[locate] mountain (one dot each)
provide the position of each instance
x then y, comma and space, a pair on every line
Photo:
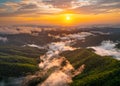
99, 70
16, 62
59, 56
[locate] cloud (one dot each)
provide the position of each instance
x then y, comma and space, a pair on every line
19, 29
3, 1
78, 36
39, 7
73, 37
11, 81
107, 48
27, 8
60, 46
101, 33
54, 49
59, 3
58, 78
51, 58
62, 70
98, 7
107, 1
63, 73
4, 39
33, 45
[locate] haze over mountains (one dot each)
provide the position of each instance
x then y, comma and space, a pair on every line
35, 34
59, 43
39, 53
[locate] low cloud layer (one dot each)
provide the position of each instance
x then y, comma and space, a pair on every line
63, 74
35, 46
18, 29
11, 81
3, 39
107, 48
51, 59
75, 36
58, 78
101, 33
62, 70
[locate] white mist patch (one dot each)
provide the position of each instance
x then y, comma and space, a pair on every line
58, 78
101, 33
11, 81
57, 47
75, 36
62, 75
48, 63
62, 69
4, 39
54, 36
107, 48
51, 58
19, 29
34, 45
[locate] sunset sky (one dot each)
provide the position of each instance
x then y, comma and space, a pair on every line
59, 12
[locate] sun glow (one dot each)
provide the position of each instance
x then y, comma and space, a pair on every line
68, 18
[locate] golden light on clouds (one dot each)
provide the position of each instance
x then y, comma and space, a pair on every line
56, 12
64, 19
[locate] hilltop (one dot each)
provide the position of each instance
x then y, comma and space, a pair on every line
99, 70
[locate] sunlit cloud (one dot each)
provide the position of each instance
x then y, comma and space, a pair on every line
95, 6
19, 30
107, 48
56, 6
53, 8
28, 7
59, 3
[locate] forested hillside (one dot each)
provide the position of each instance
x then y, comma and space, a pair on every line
99, 71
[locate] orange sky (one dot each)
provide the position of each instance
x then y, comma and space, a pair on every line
60, 19
79, 11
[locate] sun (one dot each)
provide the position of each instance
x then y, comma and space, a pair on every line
68, 18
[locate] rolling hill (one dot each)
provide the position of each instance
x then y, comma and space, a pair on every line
99, 71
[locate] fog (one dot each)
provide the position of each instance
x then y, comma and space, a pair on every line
18, 29
62, 69
63, 75
11, 81
75, 36
54, 69
35, 46
3, 39
107, 48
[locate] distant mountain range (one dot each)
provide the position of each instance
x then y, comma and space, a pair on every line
83, 56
